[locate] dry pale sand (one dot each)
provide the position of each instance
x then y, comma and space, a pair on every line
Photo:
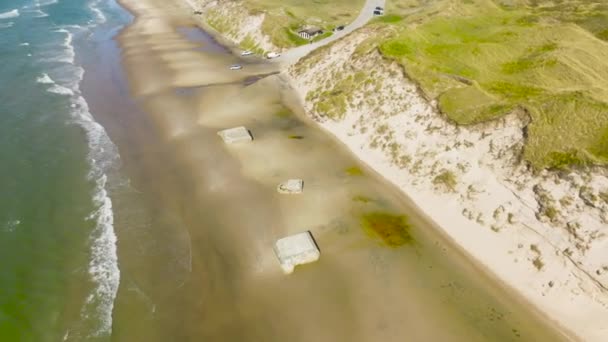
216, 214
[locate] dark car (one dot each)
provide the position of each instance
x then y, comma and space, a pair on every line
378, 8
339, 28
377, 12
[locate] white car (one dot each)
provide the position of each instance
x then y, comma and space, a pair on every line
272, 55
236, 67
246, 53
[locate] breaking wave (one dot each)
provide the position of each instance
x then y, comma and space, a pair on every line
46, 2
10, 14
45, 79
63, 78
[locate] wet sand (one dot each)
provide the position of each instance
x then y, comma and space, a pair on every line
200, 265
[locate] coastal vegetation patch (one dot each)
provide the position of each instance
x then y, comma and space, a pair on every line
361, 199
228, 25
393, 229
354, 171
283, 18
481, 59
283, 113
333, 101
446, 179
248, 43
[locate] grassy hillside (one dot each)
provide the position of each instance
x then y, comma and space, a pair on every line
483, 58
284, 17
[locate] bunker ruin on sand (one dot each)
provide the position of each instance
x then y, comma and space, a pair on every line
235, 135
291, 186
297, 249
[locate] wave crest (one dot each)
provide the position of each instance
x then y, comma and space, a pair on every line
10, 14
45, 79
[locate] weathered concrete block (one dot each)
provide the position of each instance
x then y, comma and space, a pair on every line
291, 186
236, 134
296, 250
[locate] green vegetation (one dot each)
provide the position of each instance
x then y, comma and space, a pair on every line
248, 43
296, 137
538, 263
362, 199
534, 248
294, 38
392, 229
551, 213
226, 25
219, 23
391, 18
446, 179
322, 36
483, 58
333, 103
283, 113
354, 171
282, 18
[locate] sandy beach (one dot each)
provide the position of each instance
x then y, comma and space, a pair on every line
204, 268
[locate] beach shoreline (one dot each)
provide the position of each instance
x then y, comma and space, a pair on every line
142, 86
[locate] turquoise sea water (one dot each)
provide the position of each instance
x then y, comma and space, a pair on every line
59, 270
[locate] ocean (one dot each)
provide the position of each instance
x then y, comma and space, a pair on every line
59, 267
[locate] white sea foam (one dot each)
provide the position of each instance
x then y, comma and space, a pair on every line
6, 25
58, 89
45, 79
11, 226
46, 2
24, 44
103, 159
93, 6
35, 9
38, 13
103, 265
69, 54
10, 14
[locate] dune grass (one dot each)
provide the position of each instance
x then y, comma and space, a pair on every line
248, 43
483, 58
447, 179
284, 17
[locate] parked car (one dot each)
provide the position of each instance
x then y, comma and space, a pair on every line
236, 67
378, 8
377, 12
272, 55
246, 53
339, 28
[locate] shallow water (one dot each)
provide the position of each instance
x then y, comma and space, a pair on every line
202, 266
